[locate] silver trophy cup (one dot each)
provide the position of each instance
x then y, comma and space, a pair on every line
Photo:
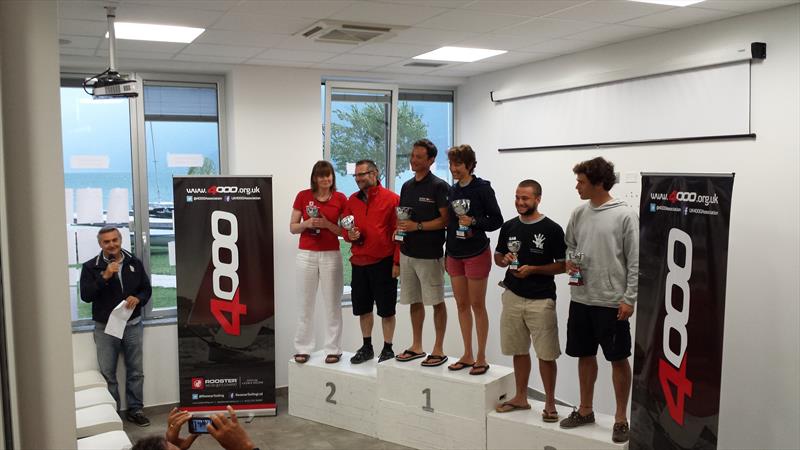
576, 277
461, 207
313, 212
513, 247
349, 223
403, 213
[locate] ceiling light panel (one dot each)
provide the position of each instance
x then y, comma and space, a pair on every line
459, 54
152, 32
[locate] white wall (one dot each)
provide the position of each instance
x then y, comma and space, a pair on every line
761, 365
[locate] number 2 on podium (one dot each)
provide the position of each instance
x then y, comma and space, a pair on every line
329, 398
427, 407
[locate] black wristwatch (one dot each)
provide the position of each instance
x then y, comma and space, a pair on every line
419, 226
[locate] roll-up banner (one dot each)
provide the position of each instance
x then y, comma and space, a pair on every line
224, 269
683, 259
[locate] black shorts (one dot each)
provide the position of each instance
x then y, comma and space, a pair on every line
374, 284
589, 326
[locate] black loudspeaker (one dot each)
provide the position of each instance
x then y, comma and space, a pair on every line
758, 50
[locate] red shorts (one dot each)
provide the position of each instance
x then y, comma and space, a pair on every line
474, 267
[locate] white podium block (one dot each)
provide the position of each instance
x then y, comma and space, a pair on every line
88, 379
433, 407
94, 396
526, 430
342, 395
96, 420
113, 440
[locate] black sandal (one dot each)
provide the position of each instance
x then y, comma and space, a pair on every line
301, 358
333, 359
434, 360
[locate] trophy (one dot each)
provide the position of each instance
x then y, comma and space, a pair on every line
461, 206
313, 212
349, 223
513, 246
403, 213
575, 277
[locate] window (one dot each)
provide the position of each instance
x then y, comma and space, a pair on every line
181, 126
119, 159
98, 179
381, 122
424, 114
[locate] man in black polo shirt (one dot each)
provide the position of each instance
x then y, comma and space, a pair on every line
529, 308
421, 253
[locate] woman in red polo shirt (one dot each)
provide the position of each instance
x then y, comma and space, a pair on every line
315, 217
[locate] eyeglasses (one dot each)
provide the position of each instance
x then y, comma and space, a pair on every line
362, 174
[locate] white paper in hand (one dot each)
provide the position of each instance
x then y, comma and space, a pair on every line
118, 319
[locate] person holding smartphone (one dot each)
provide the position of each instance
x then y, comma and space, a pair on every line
225, 430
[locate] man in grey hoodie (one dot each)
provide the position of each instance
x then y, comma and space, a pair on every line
606, 231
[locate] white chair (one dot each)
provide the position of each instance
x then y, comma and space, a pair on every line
89, 379
96, 420
113, 440
93, 397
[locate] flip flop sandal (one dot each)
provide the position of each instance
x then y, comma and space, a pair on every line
434, 360
479, 370
408, 355
301, 358
508, 407
550, 417
333, 359
459, 365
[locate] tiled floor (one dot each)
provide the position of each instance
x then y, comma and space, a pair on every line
280, 432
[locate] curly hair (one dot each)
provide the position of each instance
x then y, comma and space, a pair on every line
597, 171
463, 154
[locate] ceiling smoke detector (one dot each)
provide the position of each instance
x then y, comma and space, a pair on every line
336, 32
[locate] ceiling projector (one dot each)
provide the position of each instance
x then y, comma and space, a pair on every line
110, 84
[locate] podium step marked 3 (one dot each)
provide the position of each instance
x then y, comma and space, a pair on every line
525, 430
342, 395
433, 407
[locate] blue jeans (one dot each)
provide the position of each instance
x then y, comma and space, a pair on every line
108, 348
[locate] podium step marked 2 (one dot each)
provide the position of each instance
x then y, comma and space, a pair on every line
525, 430
342, 395
433, 407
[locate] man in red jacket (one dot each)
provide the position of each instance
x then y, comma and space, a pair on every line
375, 258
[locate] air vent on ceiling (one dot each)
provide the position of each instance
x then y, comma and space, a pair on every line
337, 32
424, 64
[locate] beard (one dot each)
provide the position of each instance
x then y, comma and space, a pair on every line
529, 212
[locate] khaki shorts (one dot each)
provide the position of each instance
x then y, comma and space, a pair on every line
421, 280
524, 320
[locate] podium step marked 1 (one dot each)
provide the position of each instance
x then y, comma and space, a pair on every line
342, 395
526, 430
433, 407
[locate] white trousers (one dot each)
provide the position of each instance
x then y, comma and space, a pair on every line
319, 271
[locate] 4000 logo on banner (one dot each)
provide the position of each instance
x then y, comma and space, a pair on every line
673, 370
226, 301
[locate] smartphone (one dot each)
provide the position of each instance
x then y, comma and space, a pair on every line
197, 425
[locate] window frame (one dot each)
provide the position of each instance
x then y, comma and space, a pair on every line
141, 229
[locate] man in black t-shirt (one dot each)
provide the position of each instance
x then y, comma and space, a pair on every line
421, 251
532, 247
